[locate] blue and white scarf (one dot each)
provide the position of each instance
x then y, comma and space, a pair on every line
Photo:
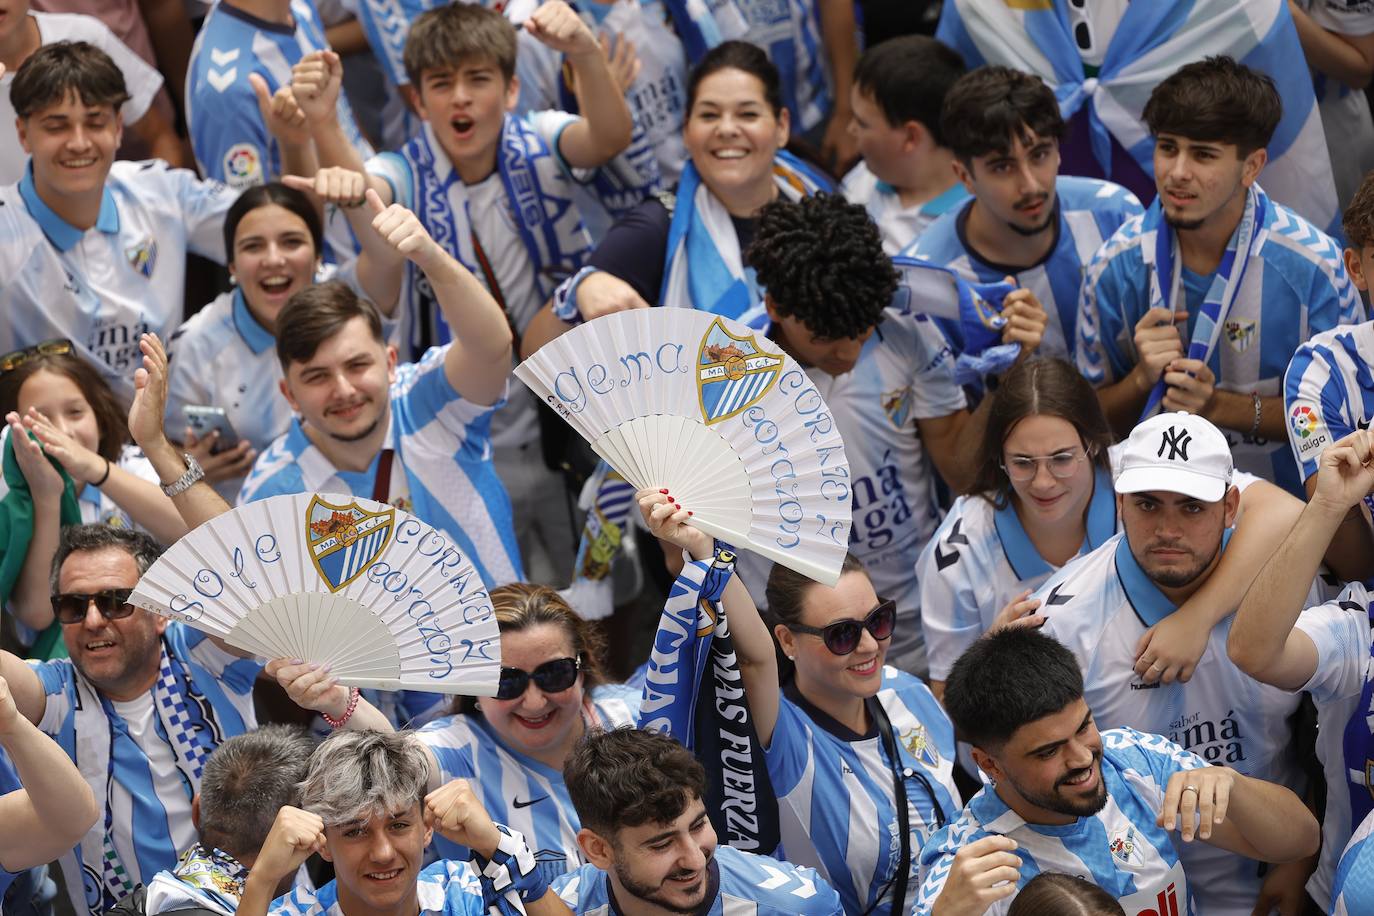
1152, 41
940, 292
191, 724
693, 692
704, 267
1163, 260
548, 222
699, 30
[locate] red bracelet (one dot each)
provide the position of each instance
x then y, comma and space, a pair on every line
353, 696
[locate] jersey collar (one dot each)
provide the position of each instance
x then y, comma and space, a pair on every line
254, 334
1150, 604
938, 205
1025, 560
61, 233
316, 469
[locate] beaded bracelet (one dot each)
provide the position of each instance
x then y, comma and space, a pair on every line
353, 696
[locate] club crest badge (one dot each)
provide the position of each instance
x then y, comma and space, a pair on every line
897, 405
732, 373
1240, 334
344, 540
143, 256
1123, 845
922, 746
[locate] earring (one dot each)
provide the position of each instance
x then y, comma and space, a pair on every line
477, 705
791, 658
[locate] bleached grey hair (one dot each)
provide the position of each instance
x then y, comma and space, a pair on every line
356, 775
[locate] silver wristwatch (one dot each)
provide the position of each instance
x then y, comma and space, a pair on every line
194, 473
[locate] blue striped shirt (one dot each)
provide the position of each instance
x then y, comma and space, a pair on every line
518, 790
1328, 391
740, 884
1354, 890
835, 789
1089, 211
1295, 287
441, 443
1120, 849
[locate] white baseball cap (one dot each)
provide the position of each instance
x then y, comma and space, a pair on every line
1176, 453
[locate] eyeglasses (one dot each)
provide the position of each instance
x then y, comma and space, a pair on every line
842, 637
1061, 464
550, 677
112, 604
58, 346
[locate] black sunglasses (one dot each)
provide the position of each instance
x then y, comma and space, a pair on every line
58, 346
113, 604
550, 677
842, 637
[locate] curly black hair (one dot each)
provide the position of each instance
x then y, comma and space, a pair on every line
822, 261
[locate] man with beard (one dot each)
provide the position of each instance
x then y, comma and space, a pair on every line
1177, 502
1199, 304
1025, 222
1065, 797
416, 436
652, 848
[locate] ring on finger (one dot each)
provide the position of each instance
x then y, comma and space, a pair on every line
1188, 789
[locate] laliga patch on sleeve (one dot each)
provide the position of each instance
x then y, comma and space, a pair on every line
242, 166
1309, 432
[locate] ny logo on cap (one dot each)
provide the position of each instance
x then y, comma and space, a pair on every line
1176, 441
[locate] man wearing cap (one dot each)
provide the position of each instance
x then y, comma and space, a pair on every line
1178, 499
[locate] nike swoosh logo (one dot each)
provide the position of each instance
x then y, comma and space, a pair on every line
525, 804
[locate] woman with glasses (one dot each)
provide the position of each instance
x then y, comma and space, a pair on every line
1043, 497
860, 755
77, 422
511, 746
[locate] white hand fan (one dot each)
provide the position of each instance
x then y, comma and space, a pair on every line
690, 401
382, 598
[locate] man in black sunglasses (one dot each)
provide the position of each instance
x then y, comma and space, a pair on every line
652, 849
138, 706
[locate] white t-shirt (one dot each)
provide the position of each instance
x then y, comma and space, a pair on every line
1345, 112
140, 79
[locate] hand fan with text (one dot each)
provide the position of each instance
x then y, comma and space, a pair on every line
382, 598
732, 427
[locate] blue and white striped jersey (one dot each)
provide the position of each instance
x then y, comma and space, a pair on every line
1354, 890
904, 373
740, 884
900, 226
516, 789
228, 135
444, 888
791, 34
1089, 210
1341, 632
1328, 391
1099, 606
1120, 849
157, 785
836, 796
441, 444
1294, 288
124, 276
980, 559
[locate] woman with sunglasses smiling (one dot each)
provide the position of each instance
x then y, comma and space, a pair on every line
860, 755
52, 392
512, 746
1043, 497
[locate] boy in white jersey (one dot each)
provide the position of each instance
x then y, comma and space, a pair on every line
1247, 279
906, 177
1176, 504
651, 847
91, 249
1066, 798
415, 435
364, 809
496, 191
1328, 391
889, 382
1025, 222
1325, 650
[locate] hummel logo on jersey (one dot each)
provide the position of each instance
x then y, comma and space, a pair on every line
1143, 686
1056, 598
1176, 441
525, 804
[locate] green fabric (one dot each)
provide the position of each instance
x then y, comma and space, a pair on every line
16, 530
